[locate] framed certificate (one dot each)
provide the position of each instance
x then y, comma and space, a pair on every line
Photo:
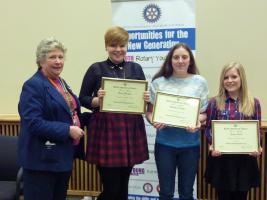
235, 136
123, 95
175, 110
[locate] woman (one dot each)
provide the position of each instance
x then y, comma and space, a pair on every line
178, 147
49, 126
232, 175
116, 141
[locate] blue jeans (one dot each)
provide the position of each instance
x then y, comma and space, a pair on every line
186, 161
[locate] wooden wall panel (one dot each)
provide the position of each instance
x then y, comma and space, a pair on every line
85, 180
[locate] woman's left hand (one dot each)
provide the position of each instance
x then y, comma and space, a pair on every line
256, 153
147, 96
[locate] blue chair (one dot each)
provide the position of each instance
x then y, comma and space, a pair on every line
10, 172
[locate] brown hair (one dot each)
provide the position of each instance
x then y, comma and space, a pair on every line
166, 69
116, 35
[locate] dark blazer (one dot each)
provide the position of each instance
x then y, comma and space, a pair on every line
44, 140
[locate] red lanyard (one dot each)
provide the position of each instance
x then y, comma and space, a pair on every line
65, 93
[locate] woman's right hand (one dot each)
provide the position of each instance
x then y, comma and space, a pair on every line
96, 100
101, 93
158, 125
76, 132
214, 153
149, 118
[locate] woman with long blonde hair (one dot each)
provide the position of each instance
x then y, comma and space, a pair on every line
232, 174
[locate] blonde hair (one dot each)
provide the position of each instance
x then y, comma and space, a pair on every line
116, 35
246, 102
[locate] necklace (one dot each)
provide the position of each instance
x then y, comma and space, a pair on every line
116, 70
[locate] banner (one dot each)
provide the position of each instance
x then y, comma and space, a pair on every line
154, 27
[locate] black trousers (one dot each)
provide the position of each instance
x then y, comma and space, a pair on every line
45, 185
232, 195
115, 182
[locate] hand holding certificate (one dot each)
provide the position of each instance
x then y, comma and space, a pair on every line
175, 110
123, 95
235, 136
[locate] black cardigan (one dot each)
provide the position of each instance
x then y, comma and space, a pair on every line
93, 77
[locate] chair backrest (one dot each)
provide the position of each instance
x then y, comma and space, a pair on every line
8, 158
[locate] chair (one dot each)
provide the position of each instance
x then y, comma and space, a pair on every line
10, 171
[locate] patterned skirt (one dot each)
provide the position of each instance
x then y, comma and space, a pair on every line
116, 140
233, 172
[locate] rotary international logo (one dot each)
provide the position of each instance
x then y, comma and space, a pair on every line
147, 187
151, 13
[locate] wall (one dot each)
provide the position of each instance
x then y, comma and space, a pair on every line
226, 30
233, 30
80, 25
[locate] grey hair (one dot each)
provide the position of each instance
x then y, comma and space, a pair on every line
46, 46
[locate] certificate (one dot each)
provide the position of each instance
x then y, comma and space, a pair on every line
123, 95
235, 136
175, 110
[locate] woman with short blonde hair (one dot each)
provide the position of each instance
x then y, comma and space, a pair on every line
116, 141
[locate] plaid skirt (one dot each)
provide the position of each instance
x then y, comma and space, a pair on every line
116, 140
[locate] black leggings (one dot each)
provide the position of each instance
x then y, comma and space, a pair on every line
232, 195
115, 182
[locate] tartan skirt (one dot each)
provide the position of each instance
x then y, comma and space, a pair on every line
116, 140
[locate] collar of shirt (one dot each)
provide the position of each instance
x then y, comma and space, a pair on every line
116, 66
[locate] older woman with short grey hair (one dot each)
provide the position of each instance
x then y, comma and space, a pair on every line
45, 46
50, 126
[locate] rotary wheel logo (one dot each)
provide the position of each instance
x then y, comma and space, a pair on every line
148, 188
151, 13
